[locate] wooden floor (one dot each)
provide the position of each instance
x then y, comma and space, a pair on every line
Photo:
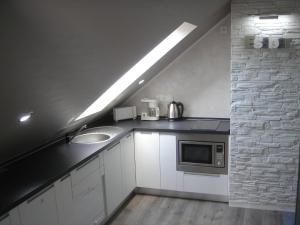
152, 210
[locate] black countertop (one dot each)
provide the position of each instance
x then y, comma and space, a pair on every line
28, 176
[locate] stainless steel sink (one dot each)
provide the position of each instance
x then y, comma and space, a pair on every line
90, 138
97, 135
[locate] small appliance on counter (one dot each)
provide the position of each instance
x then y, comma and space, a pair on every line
124, 113
175, 111
202, 153
152, 112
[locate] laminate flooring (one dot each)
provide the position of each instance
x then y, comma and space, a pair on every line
154, 210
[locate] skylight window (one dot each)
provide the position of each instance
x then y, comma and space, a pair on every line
139, 69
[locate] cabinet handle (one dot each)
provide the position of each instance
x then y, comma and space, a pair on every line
146, 132
203, 174
40, 193
4, 217
87, 162
104, 194
111, 147
65, 177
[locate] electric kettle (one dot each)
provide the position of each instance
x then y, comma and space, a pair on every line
175, 110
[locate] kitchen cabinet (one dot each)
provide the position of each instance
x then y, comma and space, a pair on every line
4, 220
11, 218
206, 183
147, 159
156, 167
128, 164
80, 195
94, 190
167, 150
40, 209
113, 178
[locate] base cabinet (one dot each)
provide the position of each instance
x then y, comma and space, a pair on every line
4, 220
80, 196
11, 218
95, 189
85, 196
40, 209
119, 163
128, 164
147, 159
156, 167
171, 179
113, 178
206, 184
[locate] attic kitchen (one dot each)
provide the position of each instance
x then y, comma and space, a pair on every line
149, 112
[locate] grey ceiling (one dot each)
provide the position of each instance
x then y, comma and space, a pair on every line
58, 56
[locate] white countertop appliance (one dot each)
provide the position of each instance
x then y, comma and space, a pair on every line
124, 113
152, 110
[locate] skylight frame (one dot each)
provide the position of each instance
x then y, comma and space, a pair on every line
138, 69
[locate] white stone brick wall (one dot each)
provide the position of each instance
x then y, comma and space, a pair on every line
265, 108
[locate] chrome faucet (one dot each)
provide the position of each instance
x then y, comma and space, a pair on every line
70, 138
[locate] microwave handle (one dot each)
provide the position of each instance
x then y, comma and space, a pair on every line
203, 174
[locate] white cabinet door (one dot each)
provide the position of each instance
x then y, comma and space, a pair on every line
11, 218
40, 209
84, 170
82, 202
113, 178
147, 159
128, 164
4, 220
14, 217
168, 173
63, 190
206, 184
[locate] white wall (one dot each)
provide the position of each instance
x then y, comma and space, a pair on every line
199, 78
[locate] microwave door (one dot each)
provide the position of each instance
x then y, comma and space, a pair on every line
196, 153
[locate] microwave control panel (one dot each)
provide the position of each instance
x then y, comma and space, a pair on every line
220, 155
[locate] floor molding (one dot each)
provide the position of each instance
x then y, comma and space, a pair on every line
272, 207
180, 194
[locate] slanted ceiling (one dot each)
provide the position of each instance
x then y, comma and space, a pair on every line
58, 56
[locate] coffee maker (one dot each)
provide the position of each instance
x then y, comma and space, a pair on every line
152, 110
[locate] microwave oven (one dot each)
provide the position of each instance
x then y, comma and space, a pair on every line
205, 154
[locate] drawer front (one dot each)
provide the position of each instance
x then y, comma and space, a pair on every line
88, 200
40, 209
87, 185
206, 184
84, 170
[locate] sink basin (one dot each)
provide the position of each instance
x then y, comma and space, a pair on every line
97, 135
90, 138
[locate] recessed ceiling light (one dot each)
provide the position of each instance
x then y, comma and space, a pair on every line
25, 117
141, 81
139, 69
